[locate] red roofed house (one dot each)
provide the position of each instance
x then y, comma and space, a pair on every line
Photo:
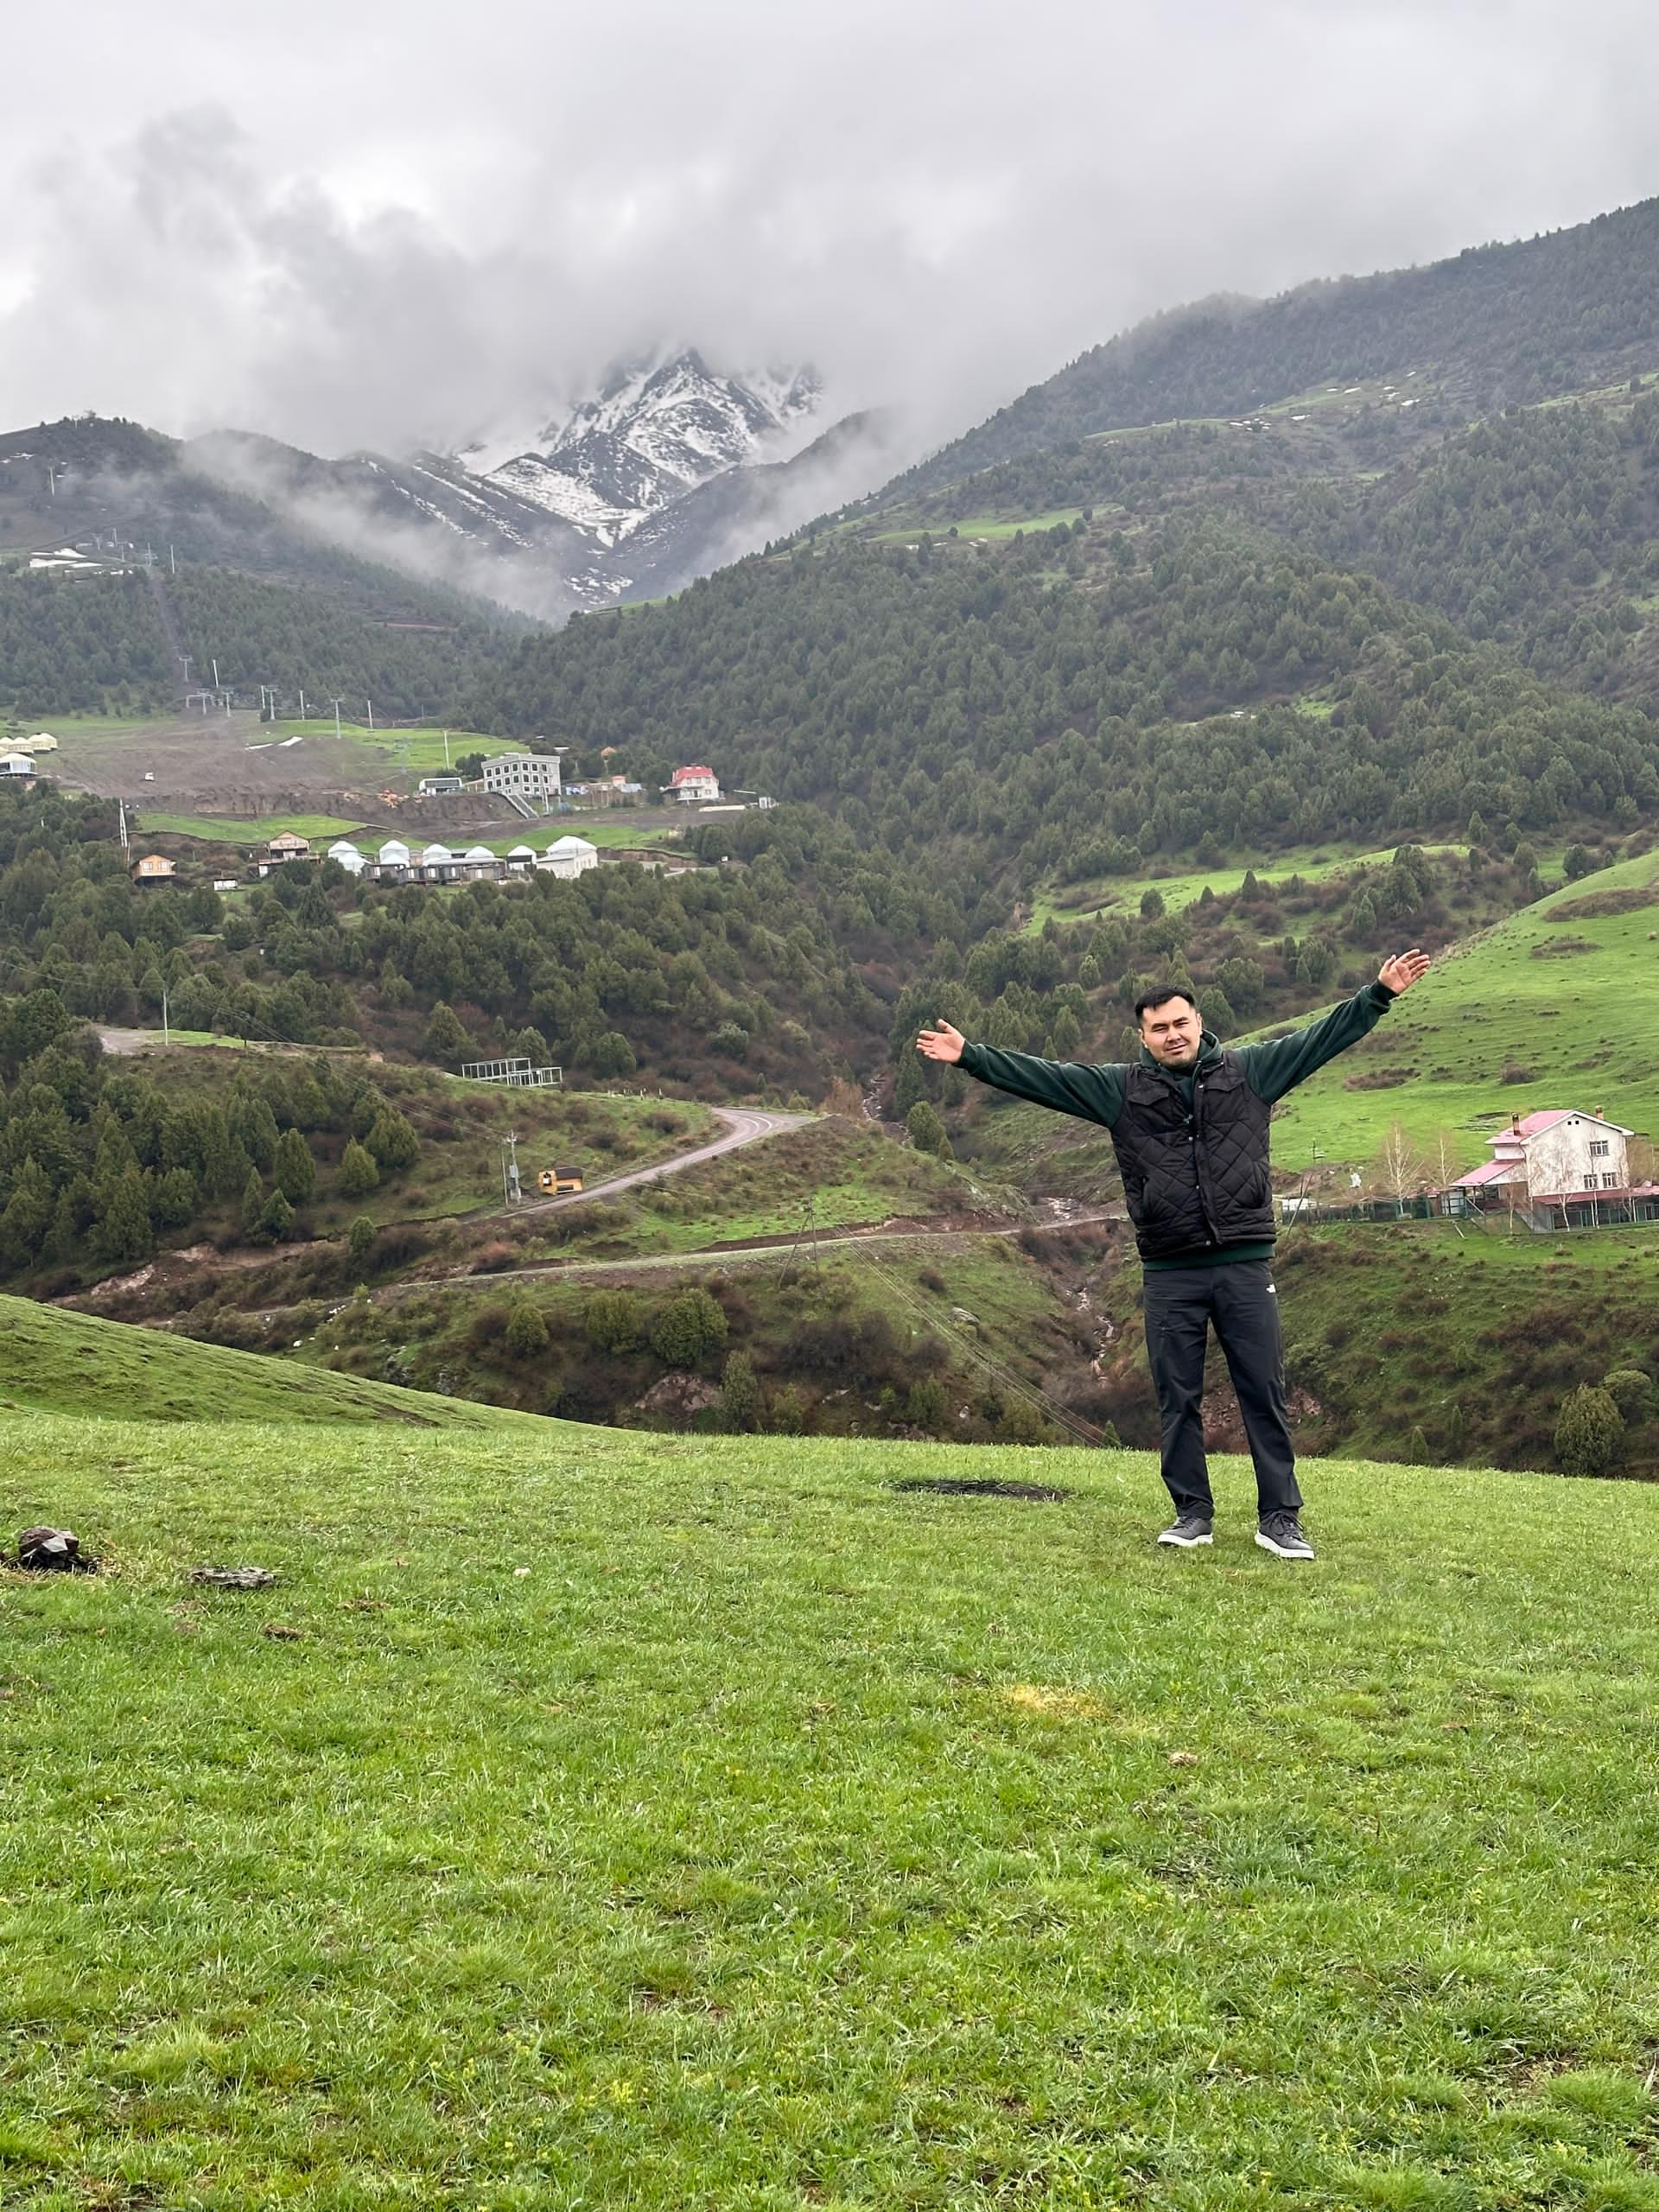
692, 786
1553, 1160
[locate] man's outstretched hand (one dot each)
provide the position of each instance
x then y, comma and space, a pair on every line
1402, 971
940, 1043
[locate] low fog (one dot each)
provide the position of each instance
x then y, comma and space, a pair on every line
382, 226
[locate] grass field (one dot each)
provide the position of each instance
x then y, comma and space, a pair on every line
72, 1363
1580, 1021
421, 752
592, 1819
995, 526
1123, 895
224, 832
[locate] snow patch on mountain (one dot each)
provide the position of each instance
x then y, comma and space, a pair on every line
656, 429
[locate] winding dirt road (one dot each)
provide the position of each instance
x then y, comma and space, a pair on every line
743, 1125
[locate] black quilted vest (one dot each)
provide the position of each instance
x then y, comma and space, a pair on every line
1196, 1181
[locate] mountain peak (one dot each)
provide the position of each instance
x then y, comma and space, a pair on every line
658, 427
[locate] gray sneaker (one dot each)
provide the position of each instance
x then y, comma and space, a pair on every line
1281, 1534
1189, 1530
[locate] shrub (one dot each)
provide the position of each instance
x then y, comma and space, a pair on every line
687, 1328
1590, 1433
787, 1414
359, 1238
526, 1331
731, 1039
1631, 1391
740, 1394
926, 1404
615, 1321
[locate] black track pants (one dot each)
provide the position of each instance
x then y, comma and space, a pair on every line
1238, 1299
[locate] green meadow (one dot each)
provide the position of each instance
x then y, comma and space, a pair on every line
224, 832
1123, 894
591, 1818
1549, 1008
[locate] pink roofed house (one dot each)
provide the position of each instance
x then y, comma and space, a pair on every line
1554, 1153
693, 786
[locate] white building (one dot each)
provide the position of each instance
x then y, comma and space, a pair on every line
17, 764
440, 786
346, 854
693, 786
1553, 1154
569, 856
523, 775
522, 856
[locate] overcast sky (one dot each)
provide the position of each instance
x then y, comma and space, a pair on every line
349, 222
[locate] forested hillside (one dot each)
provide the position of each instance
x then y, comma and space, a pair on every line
98, 644
1048, 700
303, 637
93, 647
1500, 323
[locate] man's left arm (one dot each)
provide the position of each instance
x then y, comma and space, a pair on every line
1271, 1070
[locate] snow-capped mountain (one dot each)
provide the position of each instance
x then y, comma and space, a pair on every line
654, 431
670, 469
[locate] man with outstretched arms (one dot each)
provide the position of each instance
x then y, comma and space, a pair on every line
1189, 1125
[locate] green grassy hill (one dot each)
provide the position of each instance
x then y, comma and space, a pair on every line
69, 1363
1553, 1007
587, 1818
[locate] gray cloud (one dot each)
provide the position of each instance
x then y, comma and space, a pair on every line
379, 225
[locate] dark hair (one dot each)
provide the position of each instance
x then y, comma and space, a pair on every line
1160, 994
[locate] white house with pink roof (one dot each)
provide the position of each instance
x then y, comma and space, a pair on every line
693, 786
1553, 1154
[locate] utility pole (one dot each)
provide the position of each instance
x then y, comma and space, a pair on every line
446, 748
52, 479
171, 562
215, 675
302, 704
369, 703
121, 816
166, 1033
336, 718
511, 1189
185, 657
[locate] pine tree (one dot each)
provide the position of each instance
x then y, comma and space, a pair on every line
359, 1239
253, 1203
27, 1220
927, 1131
445, 1038
392, 1140
296, 1172
358, 1174
122, 1234
276, 1218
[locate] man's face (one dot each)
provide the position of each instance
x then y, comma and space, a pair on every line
1173, 1033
